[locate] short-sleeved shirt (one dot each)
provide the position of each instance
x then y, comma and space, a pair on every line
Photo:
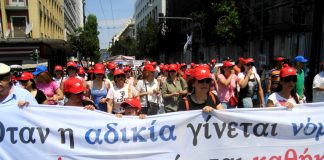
224, 93
48, 89
278, 100
318, 96
171, 103
140, 87
119, 95
196, 106
19, 94
300, 82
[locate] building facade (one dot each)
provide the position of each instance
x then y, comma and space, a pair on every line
32, 25
73, 16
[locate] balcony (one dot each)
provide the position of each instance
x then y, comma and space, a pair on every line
17, 6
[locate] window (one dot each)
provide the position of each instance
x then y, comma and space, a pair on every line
18, 25
18, 2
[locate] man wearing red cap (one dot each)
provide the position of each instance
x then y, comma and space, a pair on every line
274, 76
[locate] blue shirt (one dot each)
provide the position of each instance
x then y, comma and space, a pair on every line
19, 94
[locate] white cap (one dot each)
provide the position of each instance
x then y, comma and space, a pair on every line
4, 69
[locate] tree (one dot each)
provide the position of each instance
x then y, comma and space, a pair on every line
148, 39
127, 46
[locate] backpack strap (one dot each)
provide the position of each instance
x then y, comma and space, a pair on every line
186, 102
212, 96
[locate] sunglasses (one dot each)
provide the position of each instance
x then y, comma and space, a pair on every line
250, 64
289, 79
23, 81
120, 76
206, 80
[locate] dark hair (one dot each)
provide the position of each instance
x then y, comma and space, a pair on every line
33, 83
293, 92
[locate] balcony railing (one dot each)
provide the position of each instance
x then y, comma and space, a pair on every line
16, 6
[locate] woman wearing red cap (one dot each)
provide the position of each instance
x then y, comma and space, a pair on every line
227, 81
99, 87
285, 94
129, 78
58, 74
201, 97
74, 91
27, 81
174, 88
149, 91
119, 92
249, 82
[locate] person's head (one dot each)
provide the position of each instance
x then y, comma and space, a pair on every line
132, 106
213, 62
227, 68
288, 78
128, 71
279, 62
71, 68
81, 72
4, 78
173, 70
183, 67
299, 61
148, 72
42, 75
27, 80
99, 71
91, 74
58, 71
248, 63
201, 80
111, 67
119, 77
73, 88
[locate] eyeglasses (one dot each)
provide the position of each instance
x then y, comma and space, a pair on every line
250, 64
23, 81
120, 76
289, 79
206, 80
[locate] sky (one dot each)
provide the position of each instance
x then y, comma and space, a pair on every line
111, 16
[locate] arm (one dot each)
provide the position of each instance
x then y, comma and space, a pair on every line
243, 82
261, 96
165, 92
225, 81
58, 95
110, 105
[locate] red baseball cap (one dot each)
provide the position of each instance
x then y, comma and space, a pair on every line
81, 70
149, 67
248, 60
287, 71
73, 85
118, 72
213, 60
111, 66
126, 69
200, 73
280, 59
173, 67
71, 64
227, 64
189, 71
26, 76
99, 68
133, 102
58, 68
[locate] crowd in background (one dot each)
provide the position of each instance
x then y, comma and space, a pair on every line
163, 88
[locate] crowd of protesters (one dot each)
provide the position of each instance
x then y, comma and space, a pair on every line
155, 89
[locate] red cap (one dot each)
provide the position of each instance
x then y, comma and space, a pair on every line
241, 59
213, 60
149, 67
280, 59
287, 71
192, 64
90, 71
148, 62
189, 71
173, 67
133, 102
183, 65
126, 69
111, 66
248, 60
153, 63
166, 67
99, 68
162, 68
25, 76
200, 73
81, 70
227, 64
71, 64
73, 85
118, 72
58, 68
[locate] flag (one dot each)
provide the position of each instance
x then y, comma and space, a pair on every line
189, 42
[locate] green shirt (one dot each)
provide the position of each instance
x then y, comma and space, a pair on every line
300, 82
171, 102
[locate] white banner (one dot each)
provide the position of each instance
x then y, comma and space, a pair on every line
63, 133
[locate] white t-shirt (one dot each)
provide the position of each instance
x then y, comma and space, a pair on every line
140, 87
119, 95
280, 101
318, 96
242, 75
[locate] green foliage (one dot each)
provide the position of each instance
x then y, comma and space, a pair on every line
228, 22
127, 46
85, 40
